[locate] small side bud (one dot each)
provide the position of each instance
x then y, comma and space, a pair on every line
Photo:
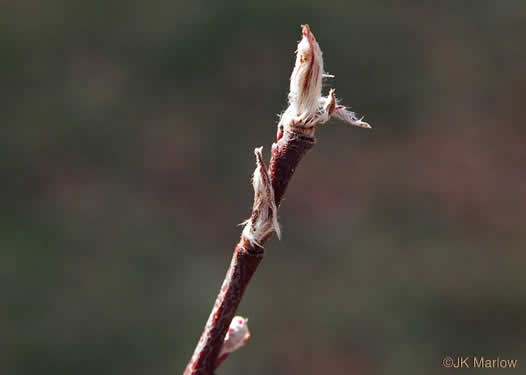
264, 219
237, 336
327, 107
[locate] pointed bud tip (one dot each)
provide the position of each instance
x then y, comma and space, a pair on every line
363, 124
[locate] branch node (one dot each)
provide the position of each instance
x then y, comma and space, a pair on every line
264, 219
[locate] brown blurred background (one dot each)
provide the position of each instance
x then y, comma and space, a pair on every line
127, 141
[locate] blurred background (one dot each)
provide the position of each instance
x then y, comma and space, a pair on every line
127, 141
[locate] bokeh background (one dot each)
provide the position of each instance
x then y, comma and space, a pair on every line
127, 141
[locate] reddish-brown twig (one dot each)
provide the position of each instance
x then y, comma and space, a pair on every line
295, 138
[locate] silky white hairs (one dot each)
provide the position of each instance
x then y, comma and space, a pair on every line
306, 78
307, 107
264, 219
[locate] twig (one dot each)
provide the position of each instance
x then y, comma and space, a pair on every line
295, 137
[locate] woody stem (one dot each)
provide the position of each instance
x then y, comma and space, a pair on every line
286, 154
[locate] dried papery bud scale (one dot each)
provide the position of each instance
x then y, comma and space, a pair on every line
264, 218
306, 78
307, 107
295, 137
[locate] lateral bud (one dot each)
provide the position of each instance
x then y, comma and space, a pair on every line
264, 219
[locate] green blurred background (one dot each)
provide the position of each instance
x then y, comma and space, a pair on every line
127, 141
